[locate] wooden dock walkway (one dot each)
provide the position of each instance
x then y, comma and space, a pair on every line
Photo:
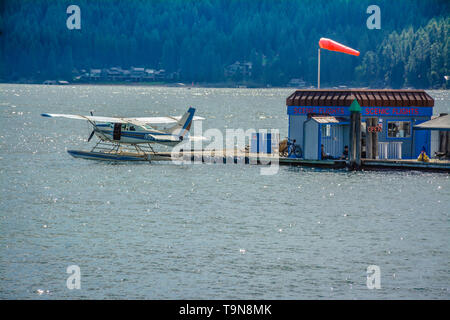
228, 156
243, 157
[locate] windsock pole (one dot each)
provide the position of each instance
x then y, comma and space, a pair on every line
318, 72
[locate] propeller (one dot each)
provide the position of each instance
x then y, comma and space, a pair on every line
93, 131
91, 135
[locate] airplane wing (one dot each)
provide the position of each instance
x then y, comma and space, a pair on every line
137, 121
162, 120
87, 118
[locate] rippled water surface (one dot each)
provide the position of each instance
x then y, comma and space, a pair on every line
167, 231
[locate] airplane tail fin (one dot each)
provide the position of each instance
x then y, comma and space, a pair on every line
182, 127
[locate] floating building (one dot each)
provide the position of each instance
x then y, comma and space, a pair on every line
319, 122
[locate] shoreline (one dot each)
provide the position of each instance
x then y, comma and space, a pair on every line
219, 85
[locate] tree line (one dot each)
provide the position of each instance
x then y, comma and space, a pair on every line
200, 38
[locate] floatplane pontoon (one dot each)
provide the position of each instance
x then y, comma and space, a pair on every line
130, 139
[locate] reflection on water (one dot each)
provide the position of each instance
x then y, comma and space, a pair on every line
165, 231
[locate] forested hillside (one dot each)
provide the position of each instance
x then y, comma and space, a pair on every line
198, 39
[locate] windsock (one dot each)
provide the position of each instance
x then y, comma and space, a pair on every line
331, 45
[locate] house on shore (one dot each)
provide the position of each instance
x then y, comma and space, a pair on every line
134, 74
242, 69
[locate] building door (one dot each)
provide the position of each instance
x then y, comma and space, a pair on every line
421, 139
332, 139
311, 144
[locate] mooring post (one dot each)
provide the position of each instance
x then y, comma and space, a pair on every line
351, 151
369, 138
355, 135
358, 139
375, 141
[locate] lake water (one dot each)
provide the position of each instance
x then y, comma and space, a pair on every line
199, 231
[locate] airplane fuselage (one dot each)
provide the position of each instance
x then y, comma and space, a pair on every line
133, 134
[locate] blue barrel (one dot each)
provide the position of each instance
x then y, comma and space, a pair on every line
261, 143
254, 145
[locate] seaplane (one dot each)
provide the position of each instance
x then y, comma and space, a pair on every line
131, 139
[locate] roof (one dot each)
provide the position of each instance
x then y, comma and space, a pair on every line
365, 97
328, 119
439, 123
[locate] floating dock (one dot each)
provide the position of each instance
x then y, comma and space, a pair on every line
387, 164
241, 157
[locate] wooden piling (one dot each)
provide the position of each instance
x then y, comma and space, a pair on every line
371, 138
358, 139
375, 141
355, 136
369, 141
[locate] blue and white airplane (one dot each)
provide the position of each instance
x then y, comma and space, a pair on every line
134, 131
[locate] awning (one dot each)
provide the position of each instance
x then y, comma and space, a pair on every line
441, 123
329, 120
365, 97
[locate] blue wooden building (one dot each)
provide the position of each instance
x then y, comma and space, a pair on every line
322, 118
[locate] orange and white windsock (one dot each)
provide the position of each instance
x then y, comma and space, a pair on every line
331, 45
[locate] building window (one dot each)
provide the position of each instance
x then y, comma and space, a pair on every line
326, 130
363, 126
399, 129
